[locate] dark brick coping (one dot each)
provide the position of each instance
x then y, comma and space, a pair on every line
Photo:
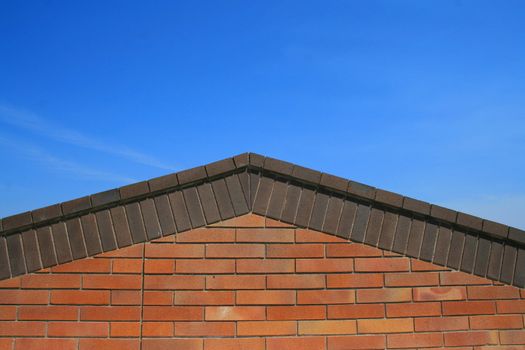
238, 185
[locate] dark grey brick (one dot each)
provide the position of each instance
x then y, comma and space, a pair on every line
319, 211
238, 197
262, 195
31, 251
76, 241
134, 190
416, 206
192, 175
45, 243
442, 246
278, 166
18, 220
388, 229
429, 242
180, 214
76, 205
347, 219
220, 167
191, 199
16, 254
415, 238
50, 212
305, 174
507, 266
163, 183
444, 214
91, 235
304, 209
121, 227
334, 182
482, 257
389, 198
224, 201
4, 260
360, 224
167, 223
519, 274
136, 224
290, 203
469, 253
496, 255
401, 236
241, 160
495, 229
469, 221
256, 160
517, 235
276, 203
151, 220
361, 190
62, 249
333, 213
105, 197
254, 184
244, 180
208, 203
374, 227
456, 249
105, 228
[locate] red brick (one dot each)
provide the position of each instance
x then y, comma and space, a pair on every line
51, 344
402, 341
411, 279
265, 297
510, 306
173, 313
174, 251
364, 280
381, 264
78, 329
356, 311
356, 342
112, 282
268, 235
325, 265
419, 265
493, 292
265, 265
7, 313
6, 344
512, 337
468, 307
248, 220
325, 297
109, 344
295, 281
295, 251
23, 329
327, 327
413, 309
127, 266
163, 344
45, 313
204, 298
234, 313
113, 313
384, 295
204, 329
496, 322
50, 281
274, 223
159, 266
133, 251
173, 282
439, 293
432, 324
266, 328
296, 312
20, 297
351, 250
11, 283
452, 278
80, 297
206, 235
125, 329
89, 265
205, 266
158, 298
233, 344
235, 251
126, 297
392, 325
310, 343
157, 329
471, 338
308, 236
235, 282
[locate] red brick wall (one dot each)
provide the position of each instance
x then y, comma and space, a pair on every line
248, 286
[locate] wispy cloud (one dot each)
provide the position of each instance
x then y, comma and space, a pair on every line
34, 123
36, 154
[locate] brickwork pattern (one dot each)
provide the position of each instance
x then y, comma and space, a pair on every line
254, 283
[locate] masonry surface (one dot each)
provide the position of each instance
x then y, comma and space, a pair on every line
255, 283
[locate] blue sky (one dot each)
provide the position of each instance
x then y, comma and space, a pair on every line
425, 98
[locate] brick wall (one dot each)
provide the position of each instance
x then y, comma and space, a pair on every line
252, 283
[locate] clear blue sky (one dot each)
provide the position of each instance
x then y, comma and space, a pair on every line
425, 98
